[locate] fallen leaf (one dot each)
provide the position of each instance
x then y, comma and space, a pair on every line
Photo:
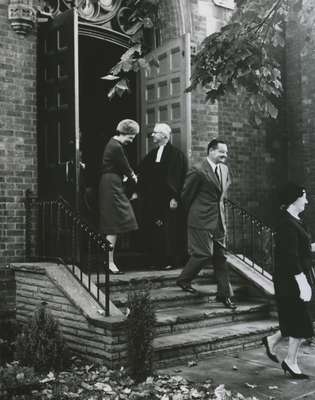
191, 364
249, 385
235, 368
86, 386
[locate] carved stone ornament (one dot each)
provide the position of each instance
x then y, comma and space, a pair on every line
118, 15
22, 16
108, 13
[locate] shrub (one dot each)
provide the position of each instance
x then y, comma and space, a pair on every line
41, 344
15, 379
8, 332
140, 333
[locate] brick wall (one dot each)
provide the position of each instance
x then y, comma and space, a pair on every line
300, 89
256, 156
18, 169
257, 159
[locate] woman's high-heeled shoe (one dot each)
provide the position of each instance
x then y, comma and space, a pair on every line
272, 356
293, 374
114, 271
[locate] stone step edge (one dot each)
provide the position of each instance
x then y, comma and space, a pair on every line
222, 312
195, 340
152, 276
161, 294
231, 349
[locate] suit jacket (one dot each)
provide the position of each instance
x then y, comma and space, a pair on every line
203, 196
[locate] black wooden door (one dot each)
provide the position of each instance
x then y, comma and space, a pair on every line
58, 106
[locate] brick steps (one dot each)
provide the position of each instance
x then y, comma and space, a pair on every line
204, 342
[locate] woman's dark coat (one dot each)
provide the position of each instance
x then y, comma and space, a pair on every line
292, 257
116, 213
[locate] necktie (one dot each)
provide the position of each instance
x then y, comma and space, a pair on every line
217, 172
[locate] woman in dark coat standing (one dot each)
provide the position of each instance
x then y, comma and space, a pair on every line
115, 211
292, 289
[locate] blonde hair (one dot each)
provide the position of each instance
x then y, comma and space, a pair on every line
128, 127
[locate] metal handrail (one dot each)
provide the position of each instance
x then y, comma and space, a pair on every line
55, 232
249, 239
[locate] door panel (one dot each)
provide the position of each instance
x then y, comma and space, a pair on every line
163, 97
58, 105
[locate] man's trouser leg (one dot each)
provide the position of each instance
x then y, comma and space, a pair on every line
200, 247
221, 270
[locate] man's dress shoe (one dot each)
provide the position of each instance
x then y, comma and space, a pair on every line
227, 302
186, 286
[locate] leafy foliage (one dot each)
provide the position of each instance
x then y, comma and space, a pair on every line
144, 15
140, 333
244, 58
41, 345
130, 61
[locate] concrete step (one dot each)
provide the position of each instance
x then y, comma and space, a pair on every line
200, 343
168, 297
186, 318
156, 278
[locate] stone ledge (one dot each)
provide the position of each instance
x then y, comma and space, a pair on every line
73, 291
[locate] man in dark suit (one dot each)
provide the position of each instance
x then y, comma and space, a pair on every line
161, 176
203, 194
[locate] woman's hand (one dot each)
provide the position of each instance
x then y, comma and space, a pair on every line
305, 288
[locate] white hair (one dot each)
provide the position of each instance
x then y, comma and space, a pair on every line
163, 128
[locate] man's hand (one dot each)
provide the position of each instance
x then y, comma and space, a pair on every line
134, 196
313, 247
173, 204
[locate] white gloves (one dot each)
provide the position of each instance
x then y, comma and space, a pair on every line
305, 289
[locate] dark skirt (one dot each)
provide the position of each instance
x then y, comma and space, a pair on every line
294, 317
116, 213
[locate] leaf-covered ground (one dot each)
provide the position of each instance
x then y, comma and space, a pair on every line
89, 382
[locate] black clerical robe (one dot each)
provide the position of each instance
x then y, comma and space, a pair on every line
163, 229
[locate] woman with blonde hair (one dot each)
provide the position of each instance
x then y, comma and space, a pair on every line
115, 210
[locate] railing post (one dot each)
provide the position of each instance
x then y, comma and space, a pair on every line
255, 240
107, 283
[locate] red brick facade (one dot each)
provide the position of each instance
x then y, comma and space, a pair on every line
18, 156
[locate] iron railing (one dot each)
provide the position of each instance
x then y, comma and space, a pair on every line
249, 239
54, 232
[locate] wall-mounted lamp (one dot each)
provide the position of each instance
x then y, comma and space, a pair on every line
22, 16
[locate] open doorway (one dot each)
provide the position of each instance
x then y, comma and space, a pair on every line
99, 117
